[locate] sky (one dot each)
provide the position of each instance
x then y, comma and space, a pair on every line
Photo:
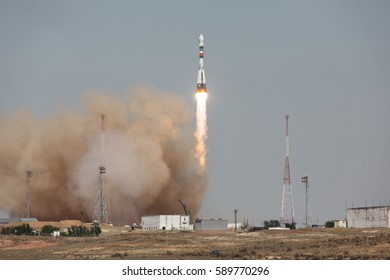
325, 63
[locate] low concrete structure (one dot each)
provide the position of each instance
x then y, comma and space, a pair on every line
232, 225
340, 223
278, 228
211, 224
4, 221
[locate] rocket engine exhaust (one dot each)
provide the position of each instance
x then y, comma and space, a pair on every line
201, 129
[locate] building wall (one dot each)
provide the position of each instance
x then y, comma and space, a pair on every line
166, 222
367, 217
211, 224
150, 222
232, 225
340, 224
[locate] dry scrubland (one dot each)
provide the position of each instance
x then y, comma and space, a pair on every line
122, 243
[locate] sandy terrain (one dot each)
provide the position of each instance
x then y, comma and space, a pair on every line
122, 243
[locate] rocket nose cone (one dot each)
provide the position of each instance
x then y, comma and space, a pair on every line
201, 40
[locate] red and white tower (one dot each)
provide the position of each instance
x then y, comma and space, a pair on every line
287, 212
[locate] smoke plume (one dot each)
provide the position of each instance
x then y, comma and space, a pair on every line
149, 157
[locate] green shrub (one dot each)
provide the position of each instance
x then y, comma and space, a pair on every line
329, 224
48, 230
271, 223
78, 231
23, 229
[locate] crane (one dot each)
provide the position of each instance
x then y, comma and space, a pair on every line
186, 210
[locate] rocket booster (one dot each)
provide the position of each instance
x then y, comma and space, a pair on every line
201, 84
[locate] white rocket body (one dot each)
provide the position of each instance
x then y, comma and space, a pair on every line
201, 83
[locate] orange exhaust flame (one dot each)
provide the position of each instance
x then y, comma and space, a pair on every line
201, 129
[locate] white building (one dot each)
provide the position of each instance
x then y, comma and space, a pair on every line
340, 223
368, 217
166, 222
232, 225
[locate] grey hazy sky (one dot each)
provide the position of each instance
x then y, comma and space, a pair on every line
326, 63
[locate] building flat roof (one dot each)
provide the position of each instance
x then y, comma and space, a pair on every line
370, 207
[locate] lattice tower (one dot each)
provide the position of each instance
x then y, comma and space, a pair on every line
27, 207
287, 215
102, 211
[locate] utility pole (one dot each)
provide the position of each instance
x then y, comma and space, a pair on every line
82, 217
235, 220
305, 180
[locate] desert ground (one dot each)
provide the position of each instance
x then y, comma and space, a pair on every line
124, 243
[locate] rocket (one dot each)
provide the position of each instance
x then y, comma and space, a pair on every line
201, 84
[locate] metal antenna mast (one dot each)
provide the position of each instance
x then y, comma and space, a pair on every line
235, 220
305, 179
101, 212
287, 211
27, 207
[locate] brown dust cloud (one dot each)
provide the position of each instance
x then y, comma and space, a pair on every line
148, 154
